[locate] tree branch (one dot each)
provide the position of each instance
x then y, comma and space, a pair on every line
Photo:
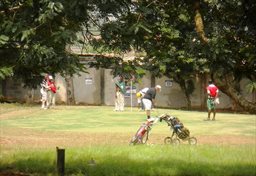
199, 22
12, 9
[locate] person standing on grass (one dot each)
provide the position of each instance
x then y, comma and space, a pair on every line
44, 91
119, 94
212, 92
149, 99
51, 92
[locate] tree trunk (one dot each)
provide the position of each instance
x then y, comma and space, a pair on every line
183, 87
4, 89
203, 93
199, 22
153, 81
188, 100
1, 88
228, 88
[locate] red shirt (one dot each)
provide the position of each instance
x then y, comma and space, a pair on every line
52, 86
212, 90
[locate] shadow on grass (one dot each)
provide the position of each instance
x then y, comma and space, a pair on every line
123, 165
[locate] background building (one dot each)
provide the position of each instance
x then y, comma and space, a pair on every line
97, 88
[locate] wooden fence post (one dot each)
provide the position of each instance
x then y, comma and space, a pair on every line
60, 161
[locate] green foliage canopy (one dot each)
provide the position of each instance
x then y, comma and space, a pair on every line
165, 31
35, 35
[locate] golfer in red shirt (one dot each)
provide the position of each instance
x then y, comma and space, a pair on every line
212, 92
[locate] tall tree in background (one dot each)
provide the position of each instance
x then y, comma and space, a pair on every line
164, 30
35, 34
185, 38
33, 39
231, 51
180, 39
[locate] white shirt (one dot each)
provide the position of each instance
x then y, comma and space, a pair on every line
143, 91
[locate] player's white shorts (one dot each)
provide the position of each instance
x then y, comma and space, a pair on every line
147, 104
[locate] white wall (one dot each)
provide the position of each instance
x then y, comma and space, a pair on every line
170, 96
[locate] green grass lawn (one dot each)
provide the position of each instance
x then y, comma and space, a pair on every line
122, 159
104, 119
139, 160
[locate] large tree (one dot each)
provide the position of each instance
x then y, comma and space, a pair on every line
184, 38
35, 35
180, 38
164, 30
231, 50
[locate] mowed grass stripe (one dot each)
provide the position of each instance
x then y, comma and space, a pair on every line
104, 119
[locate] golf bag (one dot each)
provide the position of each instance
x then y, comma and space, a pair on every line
178, 130
141, 136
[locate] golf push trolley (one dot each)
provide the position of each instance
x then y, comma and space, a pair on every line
179, 132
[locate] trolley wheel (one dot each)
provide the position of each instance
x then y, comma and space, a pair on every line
175, 141
133, 141
168, 140
192, 141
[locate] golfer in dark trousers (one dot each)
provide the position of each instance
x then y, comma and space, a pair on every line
149, 99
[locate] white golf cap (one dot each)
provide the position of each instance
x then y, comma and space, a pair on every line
50, 77
158, 86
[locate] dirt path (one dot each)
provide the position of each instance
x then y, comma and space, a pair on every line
34, 139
